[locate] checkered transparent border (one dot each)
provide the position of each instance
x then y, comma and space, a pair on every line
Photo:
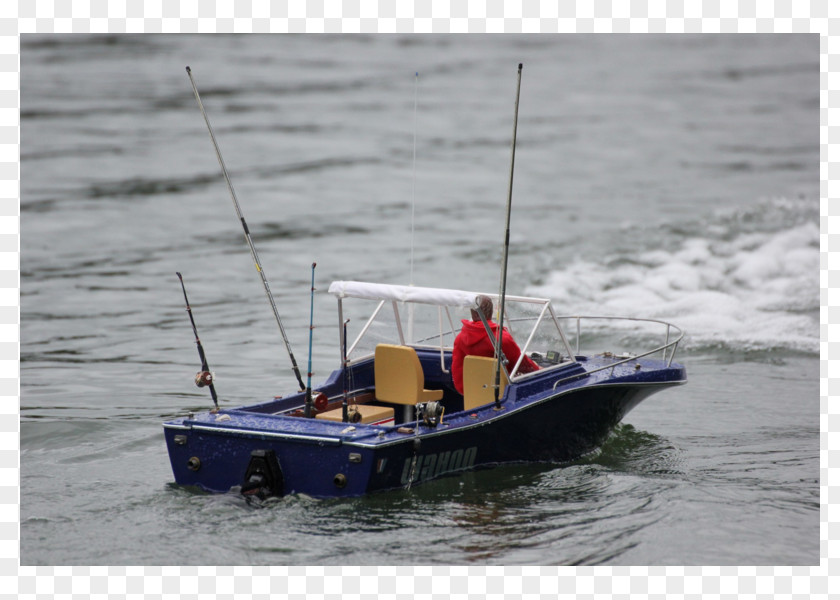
422, 16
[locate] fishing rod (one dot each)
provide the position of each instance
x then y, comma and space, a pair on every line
247, 233
503, 284
205, 377
344, 375
307, 407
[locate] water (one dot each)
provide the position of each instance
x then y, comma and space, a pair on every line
673, 177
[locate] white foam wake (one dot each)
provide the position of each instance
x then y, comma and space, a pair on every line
731, 285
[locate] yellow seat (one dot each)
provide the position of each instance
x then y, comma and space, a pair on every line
399, 376
479, 378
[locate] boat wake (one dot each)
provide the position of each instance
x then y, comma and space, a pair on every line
738, 280
629, 450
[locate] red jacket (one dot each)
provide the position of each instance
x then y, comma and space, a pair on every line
473, 341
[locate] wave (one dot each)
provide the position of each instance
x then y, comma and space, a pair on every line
738, 279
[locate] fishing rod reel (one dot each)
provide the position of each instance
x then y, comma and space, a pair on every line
204, 378
353, 414
320, 401
431, 413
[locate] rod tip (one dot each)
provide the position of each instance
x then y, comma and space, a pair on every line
188, 69
520, 67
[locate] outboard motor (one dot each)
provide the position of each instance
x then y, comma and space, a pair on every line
263, 477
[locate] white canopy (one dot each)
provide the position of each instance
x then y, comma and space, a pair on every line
410, 293
402, 293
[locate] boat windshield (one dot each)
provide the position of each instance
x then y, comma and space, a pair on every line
431, 318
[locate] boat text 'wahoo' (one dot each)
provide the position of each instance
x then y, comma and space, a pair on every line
432, 465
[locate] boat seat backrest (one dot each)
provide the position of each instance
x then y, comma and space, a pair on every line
479, 378
399, 376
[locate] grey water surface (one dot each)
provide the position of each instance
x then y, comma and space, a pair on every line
673, 177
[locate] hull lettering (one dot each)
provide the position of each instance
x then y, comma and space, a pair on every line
432, 465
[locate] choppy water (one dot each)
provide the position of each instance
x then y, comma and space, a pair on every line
673, 177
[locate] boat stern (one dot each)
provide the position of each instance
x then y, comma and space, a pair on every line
269, 455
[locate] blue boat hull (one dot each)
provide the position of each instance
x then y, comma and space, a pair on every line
323, 460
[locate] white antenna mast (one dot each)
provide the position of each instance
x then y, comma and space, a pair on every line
413, 198
413, 182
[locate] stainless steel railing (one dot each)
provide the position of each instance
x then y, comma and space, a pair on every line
668, 348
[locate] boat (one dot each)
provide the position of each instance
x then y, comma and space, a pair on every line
391, 416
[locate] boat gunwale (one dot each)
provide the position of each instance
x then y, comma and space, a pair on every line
370, 430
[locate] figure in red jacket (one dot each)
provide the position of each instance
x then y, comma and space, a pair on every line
473, 341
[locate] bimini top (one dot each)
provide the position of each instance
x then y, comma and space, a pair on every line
402, 293
420, 295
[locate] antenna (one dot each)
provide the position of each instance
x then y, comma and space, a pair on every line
413, 181
413, 201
